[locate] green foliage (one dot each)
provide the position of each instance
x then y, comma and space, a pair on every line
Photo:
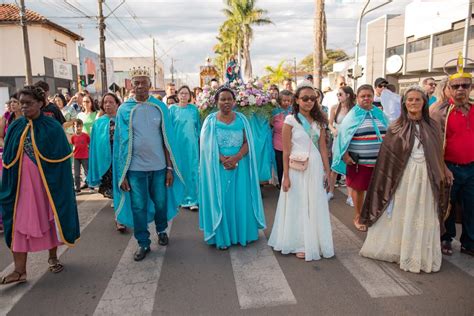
333, 56
276, 75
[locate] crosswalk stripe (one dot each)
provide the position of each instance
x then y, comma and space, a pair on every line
132, 288
259, 280
10, 295
462, 261
379, 279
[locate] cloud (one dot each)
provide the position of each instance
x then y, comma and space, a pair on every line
196, 23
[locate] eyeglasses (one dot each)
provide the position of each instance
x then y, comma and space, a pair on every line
306, 98
382, 86
465, 86
432, 84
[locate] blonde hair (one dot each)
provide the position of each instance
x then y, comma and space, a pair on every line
440, 90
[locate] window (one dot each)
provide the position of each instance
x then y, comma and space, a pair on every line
450, 37
396, 50
61, 50
418, 45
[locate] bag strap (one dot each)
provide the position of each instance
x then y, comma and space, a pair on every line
307, 128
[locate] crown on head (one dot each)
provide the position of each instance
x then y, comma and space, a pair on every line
460, 73
139, 72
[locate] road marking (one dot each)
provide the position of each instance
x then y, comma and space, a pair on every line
378, 278
37, 262
259, 280
462, 261
132, 288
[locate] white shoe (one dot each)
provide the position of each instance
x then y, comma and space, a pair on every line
330, 196
350, 202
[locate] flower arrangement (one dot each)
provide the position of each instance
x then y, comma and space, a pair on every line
251, 99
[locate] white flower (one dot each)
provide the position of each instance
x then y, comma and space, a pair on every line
252, 100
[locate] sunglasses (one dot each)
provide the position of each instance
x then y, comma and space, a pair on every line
339, 94
432, 84
465, 86
382, 86
342, 84
306, 98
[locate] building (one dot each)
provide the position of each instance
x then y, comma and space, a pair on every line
122, 66
52, 50
407, 48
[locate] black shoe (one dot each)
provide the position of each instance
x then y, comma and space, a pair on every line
141, 253
84, 186
77, 190
163, 239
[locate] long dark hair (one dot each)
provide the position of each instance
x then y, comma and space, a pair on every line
425, 113
352, 100
60, 96
316, 113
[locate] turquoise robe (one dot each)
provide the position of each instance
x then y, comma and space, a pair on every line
262, 135
54, 165
187, 126
230, 201
347, 129
122, 157
100, 153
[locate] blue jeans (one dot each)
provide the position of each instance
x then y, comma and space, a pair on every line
146, 185
462, 191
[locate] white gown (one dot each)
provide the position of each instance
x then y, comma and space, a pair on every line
302, 221
411, 235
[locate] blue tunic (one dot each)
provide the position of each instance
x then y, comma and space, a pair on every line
100, 152
187, 126
231, 208
122, 156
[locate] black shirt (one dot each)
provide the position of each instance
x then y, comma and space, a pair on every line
53, 111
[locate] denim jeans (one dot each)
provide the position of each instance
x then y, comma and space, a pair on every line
146, 185
462, 191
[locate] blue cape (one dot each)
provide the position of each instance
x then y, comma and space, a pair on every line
122, 158
347, 129
210, 194
100, 153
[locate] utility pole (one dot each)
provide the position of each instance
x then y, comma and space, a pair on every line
103, 64
26, 44
154, 64
294, 64
318, 44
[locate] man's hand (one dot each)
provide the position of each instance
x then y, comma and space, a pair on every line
125, 186
169, 178
449, 176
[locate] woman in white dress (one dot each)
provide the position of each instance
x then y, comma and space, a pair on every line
407, 198
302, 224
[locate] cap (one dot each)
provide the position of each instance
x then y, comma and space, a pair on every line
379, 81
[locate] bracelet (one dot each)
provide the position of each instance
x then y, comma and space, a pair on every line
169, 168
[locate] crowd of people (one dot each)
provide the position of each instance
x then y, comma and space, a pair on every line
408, 167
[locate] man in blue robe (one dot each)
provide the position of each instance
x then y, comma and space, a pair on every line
148, 186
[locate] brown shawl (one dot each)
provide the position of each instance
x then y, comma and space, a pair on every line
392, 161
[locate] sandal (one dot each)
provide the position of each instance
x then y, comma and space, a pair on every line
466, 251
360, 227
120, 227
9, 279
446, 248
55, 265
300, 255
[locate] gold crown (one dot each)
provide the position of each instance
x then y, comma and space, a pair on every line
139, 72
459, 68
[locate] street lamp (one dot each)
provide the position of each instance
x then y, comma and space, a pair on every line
359, 25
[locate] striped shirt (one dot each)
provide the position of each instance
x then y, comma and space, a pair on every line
365, 141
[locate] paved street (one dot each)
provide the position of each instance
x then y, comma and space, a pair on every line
189, 277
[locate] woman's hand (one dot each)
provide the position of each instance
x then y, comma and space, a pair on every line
125, 186
232, 162
334, 132
286, 184
347, 159
169, 178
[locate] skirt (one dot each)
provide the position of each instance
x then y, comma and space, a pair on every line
358, 178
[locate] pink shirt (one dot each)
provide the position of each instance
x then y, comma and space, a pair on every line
278, 121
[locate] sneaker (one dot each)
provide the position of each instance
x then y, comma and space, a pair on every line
350, 202
330, 196
163, 239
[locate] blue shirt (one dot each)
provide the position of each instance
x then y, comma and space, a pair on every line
431, 100
148, 147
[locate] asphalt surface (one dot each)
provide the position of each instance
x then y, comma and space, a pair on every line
190, 277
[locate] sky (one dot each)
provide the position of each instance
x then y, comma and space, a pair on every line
186, 30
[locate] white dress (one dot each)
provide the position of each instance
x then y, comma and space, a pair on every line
302, 222
411, 235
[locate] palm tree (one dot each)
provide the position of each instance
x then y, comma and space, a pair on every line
241, 16
278, 74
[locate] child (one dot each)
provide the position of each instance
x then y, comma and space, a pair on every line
81, 143
285, 100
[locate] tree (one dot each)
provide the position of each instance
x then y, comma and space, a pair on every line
241, 16
332, 56
318, 43
276, 75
